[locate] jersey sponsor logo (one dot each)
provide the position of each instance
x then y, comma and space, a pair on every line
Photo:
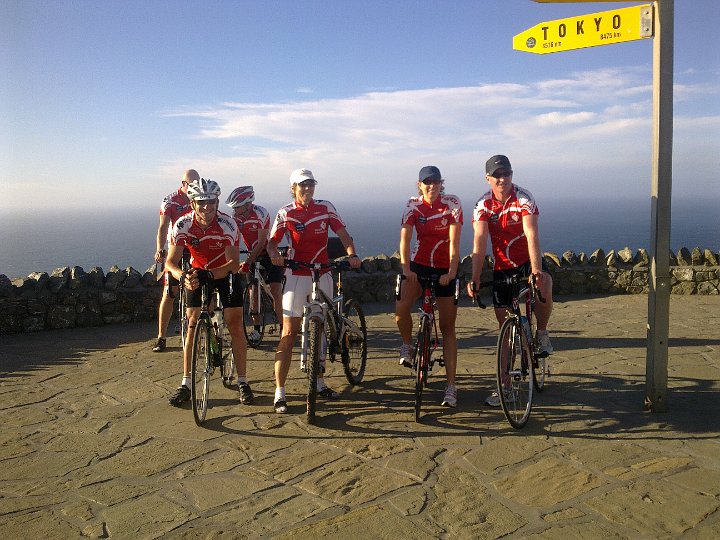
299, 227
515, 217
494, 217
444, 222
323, 226
195, 242
422, 220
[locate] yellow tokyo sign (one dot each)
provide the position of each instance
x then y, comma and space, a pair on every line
591, 30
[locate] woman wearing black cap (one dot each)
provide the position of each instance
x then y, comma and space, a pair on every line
437, 219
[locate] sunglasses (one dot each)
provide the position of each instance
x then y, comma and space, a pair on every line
308, 183
502, 174
431, 181
206, 203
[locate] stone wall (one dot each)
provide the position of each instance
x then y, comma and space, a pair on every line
71, 297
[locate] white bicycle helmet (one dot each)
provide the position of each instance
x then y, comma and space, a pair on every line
203, 190
240, 195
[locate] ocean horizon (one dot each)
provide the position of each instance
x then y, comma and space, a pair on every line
44, 241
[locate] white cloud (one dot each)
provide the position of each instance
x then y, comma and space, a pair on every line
375, 142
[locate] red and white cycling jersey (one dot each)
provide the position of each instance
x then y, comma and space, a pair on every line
432, 225
505, 223
206, 246
251, 224
175, 205
306, 229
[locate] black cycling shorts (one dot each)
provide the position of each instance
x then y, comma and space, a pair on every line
502, 292
222, 285
441, 291
270, 272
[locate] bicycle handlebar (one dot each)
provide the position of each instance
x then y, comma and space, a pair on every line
510, 280
334, 265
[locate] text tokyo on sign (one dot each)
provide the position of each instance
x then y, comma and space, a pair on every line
591, 30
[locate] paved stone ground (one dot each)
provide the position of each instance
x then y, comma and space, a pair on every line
90, 447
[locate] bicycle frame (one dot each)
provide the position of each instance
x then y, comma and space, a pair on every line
320, 306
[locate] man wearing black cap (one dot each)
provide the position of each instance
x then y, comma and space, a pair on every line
509, 216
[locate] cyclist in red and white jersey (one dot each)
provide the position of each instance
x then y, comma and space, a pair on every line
213, 241
437, 219
254, 224
305, 223
173, 206
509, 216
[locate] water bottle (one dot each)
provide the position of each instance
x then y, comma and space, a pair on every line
526, 327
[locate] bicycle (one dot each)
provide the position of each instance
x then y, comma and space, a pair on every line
520, 369
422, 359
258, 308
337, 325
210, 349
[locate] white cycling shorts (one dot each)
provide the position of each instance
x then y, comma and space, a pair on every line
297, 291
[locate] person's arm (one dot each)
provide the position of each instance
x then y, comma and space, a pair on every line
259, 245
454, 250
480, 238
530, 227
161, 238
405, 241
172, 264
349, 245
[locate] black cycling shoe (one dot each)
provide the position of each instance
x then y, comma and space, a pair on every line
180, 396
160, 345
328, 393
246, 394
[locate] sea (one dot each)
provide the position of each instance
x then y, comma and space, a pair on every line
41, 241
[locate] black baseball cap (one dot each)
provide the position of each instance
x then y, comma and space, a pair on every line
497, 162
430, 172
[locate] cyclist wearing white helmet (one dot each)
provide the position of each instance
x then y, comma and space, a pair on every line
214, 243
254, 223
173, 206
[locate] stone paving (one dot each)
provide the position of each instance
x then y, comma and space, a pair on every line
90, 447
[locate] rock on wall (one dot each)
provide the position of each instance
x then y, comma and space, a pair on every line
71, 297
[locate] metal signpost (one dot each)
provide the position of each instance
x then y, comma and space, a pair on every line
654, 20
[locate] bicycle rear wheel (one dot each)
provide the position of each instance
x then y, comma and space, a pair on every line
201, 369
182, 316
227, 369
421, 363
354, 347
539, 362
315, 335
253, 316
514, 374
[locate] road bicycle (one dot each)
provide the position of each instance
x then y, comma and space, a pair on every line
258, 308
521, 369
331, 326
427, 341
211, 349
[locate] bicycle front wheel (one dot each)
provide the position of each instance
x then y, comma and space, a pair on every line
201, 369
421, 363
253, 316
354, 347
315, 336
514, 373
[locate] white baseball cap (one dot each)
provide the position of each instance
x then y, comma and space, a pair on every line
300, 175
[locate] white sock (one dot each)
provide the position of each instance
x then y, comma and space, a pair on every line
321, 384
242, 380
186, 382
280, 394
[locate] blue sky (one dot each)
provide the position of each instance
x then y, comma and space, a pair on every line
104, 104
